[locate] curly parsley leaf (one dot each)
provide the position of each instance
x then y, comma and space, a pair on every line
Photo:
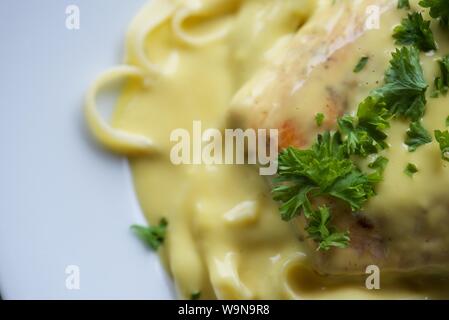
152, 236
361, 64
410, 169
442, 82
322, 170
404, 91
403, 4
379, 165
439, 9
374, 118
319, 229
417, 136
355, 189
443, 139
365, 134
293, 198
414, 30
356, 139
321, 165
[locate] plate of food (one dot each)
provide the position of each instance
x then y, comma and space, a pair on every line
233, 149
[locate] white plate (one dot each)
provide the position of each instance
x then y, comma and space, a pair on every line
62, 200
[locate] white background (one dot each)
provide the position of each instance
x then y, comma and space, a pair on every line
63, 201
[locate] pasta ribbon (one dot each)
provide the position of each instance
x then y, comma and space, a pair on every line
153, 15
225, 278
200, 11
115, 139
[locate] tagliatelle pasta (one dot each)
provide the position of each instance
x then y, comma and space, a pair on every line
149, 18
223, 63
116, 140
202, 10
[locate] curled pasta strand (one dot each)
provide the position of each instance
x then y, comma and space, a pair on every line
295, 260
114, 139
152, 16
225, 278
196, 9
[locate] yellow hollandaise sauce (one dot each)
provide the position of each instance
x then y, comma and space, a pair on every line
185, 62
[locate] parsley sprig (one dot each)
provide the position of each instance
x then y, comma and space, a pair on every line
414, 30
443, 140
152, 236
365, 134
323, 170
442, 81
439, 9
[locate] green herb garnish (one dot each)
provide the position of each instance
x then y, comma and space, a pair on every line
319, 119
443, 139
361, 64
404, 91
379, 165
439, 9
365, 134
195, 295
410, 170
442, 82
414, 30
327, 168
152, 236
417, 136
323, 170
319, 229
403, 4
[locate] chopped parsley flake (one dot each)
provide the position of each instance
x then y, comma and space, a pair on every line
195, 295
361, 64
442, 82
410, 169
417, 136
379, 166
152, 236
442, 138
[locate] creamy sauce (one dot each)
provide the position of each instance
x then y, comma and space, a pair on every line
210, 247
